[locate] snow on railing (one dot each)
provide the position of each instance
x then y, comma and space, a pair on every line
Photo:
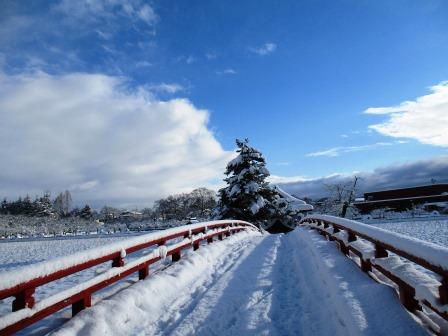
22, 282
418, 269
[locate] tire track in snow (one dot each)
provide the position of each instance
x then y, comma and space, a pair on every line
294, 284
239, 301
140, 308
185, 313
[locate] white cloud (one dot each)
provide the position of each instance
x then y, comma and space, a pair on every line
105, 140
424, 119
166, 87
186, 59
93, 10
190, 59
210, 56
143, 64
286, 179
147, 14
228, 71
265, 49
337, 151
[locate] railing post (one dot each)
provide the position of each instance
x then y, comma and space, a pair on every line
24, 299
143, 272
343, 248
175, 256
118, 262
366, 265
380, 252
407, 297
443, 291
196, 245
351, 236
209, 240
82, 304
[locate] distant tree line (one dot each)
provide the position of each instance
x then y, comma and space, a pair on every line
43, 206
199, 203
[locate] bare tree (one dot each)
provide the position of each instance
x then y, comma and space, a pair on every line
63, 202
341, 196
197, 203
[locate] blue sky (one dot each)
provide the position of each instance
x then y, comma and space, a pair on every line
295, 77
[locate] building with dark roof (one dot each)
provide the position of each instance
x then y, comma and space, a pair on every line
403, 199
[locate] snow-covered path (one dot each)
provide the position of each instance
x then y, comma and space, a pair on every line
295, 284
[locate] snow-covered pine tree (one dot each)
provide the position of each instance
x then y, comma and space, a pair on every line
86, 212
247, 195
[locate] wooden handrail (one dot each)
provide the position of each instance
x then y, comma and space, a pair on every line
389, 253
22, 283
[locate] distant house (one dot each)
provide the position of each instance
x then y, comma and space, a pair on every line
130, 215
404, 198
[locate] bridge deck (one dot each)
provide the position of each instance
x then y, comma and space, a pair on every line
295, 284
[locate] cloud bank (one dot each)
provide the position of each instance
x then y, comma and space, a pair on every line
424, 119
396, 176
101, 139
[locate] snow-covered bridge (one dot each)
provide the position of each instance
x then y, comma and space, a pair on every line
246, 284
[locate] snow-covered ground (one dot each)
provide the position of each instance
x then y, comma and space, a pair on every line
435, 231
249, 284
17, 253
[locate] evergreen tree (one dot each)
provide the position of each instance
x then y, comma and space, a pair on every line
4, 206
86, 212
247, 195
45, 205
27, 206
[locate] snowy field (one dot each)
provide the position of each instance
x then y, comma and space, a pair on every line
435, 231
16, 253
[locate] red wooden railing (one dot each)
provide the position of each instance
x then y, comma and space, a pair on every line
22, 283
419, 270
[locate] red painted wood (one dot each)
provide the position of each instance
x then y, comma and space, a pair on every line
83, 303
176, 256
351, 236
143, 272
380, 251
118, 262
443, 291
79, 301
24, 299
405, 290
55, 276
